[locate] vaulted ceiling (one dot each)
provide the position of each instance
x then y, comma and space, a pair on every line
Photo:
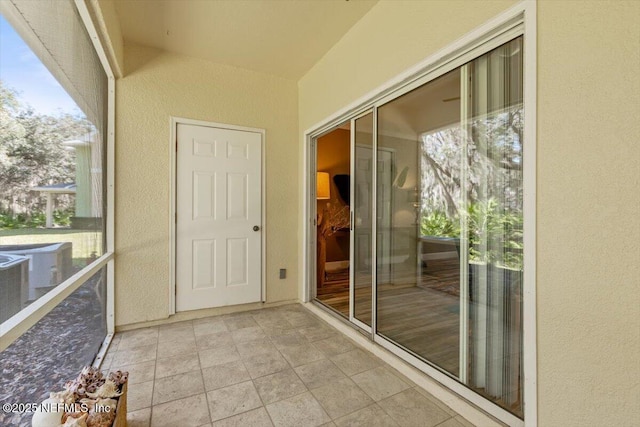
280, 37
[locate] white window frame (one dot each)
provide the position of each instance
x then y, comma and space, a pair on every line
516, 21
17, 325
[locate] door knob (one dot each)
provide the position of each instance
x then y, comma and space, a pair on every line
256, 228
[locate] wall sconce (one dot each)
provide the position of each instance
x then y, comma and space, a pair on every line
322, 186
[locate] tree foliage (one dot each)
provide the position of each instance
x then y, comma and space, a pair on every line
483, 167
32, 154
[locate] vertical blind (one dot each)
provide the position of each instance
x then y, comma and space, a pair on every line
495, 224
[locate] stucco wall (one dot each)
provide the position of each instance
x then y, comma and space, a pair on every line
159, 85
589, 213
109, 27
588, 228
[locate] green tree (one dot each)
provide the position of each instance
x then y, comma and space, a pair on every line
32, 154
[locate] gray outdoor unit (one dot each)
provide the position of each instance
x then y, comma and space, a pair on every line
49, 265
14, 284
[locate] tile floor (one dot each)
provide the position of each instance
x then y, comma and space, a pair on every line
273, 367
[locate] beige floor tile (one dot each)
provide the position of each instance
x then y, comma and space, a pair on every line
463, 421
410, 409
177, 387
265, 364
316, 333
139, 395
379, 383
273, 323
437, 402
178, 334
214, 340
297, 411
240, 322
371, 416
287, 339
173, 348
319, 373
300, 319
138, 372
254, 418
171, 328
453, 422
188, 412
259, 346
221, 354
207, 319
179, 364
210, 327
334, 346
233, 400
140, 418
184, 324
341, 398
107, 360
279, 386
247, 334
301, 354
136, 355
138, 338
224, 375
355, 361
217, 356
277, 330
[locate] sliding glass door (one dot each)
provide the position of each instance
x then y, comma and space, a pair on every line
453, 292
362, 169
436, 224
418, 305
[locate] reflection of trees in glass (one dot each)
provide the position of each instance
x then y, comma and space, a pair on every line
31, 154
493, 187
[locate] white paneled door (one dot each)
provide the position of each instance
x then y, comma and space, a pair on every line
218, 224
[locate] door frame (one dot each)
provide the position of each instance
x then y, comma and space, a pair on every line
173, 159
518, 20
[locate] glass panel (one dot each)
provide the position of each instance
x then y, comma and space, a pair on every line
333, 192
51, 166
55, 349
449, 233
363, 189
418, 281
495, 219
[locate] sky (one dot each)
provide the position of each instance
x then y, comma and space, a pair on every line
21, 70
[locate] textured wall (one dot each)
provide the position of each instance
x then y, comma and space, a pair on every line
159, 85
109, 28
391, 37
588, 178
589, 213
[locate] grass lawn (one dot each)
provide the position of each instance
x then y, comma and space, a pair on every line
84, 242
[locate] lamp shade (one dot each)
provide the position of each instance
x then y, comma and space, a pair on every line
322, 183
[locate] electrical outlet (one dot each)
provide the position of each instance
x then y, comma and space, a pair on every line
283, 273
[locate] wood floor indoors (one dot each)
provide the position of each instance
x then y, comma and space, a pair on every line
422, 317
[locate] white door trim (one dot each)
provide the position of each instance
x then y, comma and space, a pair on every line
174, 122
517, 20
